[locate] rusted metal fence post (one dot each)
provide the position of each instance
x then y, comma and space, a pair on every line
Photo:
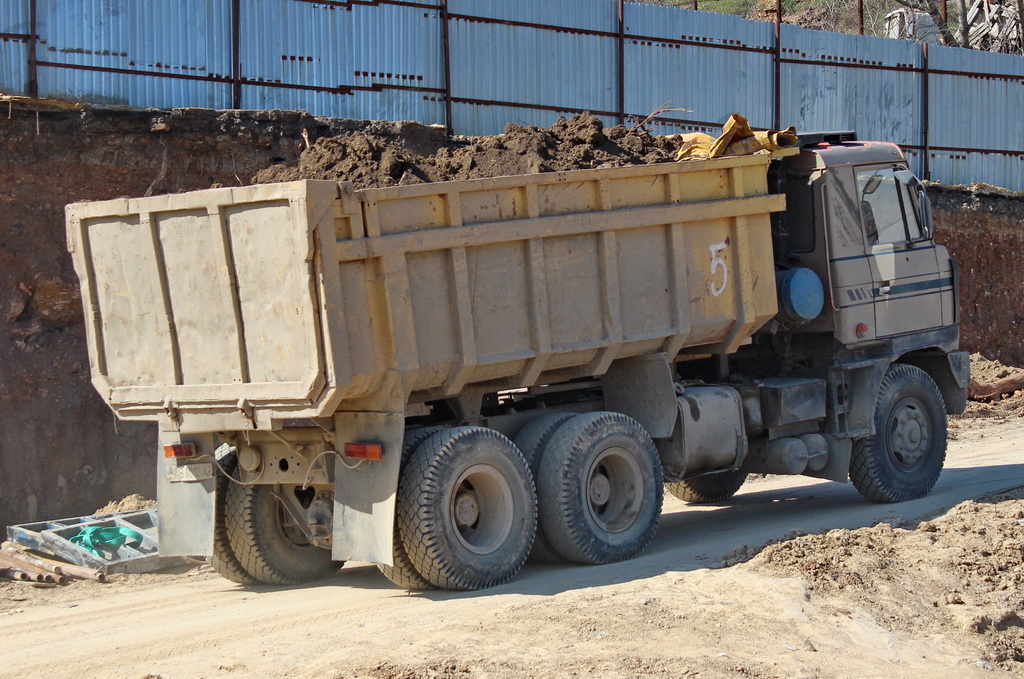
236, 54
778, 64
925, 115
860, 16
622, 62
33, 79
446, 47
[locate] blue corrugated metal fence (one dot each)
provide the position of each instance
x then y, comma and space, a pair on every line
476, 65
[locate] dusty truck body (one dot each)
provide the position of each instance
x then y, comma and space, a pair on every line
446, 378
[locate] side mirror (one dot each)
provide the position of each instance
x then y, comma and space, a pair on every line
926, 210
907, 178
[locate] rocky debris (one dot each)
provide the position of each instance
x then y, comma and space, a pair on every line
393, 154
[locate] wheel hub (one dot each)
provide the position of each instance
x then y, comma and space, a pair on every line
614, 490
600, 489
467, 509
481, 509
909, 432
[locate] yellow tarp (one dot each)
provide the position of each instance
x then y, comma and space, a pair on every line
737, 139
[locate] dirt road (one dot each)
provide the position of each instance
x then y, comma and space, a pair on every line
674, 612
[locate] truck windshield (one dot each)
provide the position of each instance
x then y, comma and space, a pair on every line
888, 211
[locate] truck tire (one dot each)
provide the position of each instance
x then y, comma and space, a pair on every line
600, 488
467, 509
904, 458
532, 441
223, 559
708, 488
402, 572
266, 547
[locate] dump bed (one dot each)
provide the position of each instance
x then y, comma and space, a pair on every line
226, 309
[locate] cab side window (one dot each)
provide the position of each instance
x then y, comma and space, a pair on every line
889, 210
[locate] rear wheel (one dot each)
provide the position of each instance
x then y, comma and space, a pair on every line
903, 459
467, 509
532, 441
267, 543
708, 488
402, 572
223, 559
600, 488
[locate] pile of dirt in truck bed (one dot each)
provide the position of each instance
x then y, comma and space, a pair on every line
391, 154
963, 571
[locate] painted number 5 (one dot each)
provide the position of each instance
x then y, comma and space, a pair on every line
718, 263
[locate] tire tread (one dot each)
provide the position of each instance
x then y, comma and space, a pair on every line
558, 495
246, 522
708, 488
223, 558
419, 524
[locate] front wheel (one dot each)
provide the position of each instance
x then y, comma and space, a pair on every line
903, 459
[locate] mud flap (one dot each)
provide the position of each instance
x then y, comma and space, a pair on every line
364, 490
185, 493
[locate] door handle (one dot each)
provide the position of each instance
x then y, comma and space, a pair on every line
885, 290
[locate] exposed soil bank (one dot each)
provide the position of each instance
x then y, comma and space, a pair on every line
985, 233
61, 452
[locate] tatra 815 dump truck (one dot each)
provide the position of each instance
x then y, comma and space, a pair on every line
446, 378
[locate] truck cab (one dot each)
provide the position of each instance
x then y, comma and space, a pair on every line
868, 235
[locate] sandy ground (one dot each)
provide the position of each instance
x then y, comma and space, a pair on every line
867, 591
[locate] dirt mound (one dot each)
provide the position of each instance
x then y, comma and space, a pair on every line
1006, 407
390, 154
132, 503
964, 569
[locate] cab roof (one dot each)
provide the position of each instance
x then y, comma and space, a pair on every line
827, 154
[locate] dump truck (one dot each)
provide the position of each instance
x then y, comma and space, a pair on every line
446, 379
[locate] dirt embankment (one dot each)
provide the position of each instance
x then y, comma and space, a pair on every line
985, 233
61, 452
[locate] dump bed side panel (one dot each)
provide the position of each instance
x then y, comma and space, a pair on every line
512, 281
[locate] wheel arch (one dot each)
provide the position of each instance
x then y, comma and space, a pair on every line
950, 372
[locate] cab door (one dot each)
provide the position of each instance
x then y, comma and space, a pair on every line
907, 281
